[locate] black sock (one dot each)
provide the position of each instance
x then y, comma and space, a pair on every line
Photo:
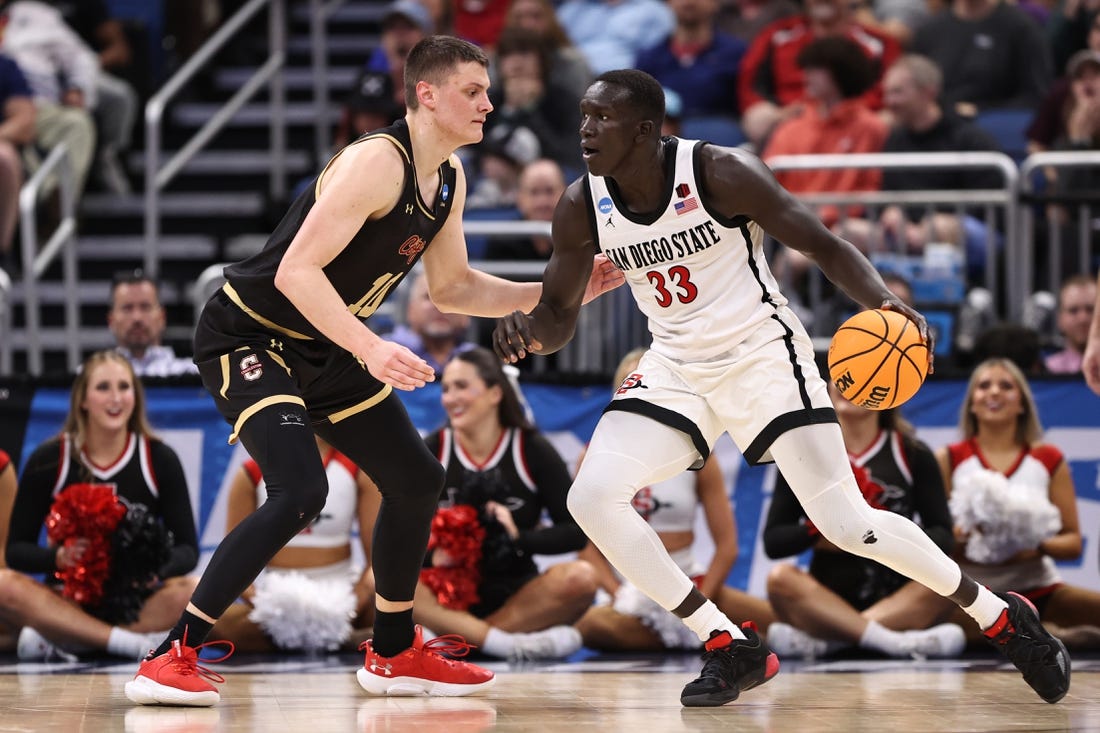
393, 632
194, 627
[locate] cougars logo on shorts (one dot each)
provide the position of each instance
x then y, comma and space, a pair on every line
251, 369
411, 247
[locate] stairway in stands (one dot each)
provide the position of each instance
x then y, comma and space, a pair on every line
218, 208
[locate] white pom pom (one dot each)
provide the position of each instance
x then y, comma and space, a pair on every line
1000, 519
301, 613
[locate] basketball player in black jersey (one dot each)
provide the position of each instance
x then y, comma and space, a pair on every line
727, 356
286, 351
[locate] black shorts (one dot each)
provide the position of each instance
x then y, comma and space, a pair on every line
859, 581
247, 367
495, 591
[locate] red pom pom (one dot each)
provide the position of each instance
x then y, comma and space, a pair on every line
871, 490
457, 532
89, 512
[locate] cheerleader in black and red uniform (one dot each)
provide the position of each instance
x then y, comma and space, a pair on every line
106, 450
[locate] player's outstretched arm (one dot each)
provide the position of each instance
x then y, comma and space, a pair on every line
741, 179
565, 283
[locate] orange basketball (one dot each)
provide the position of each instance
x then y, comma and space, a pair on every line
877, 359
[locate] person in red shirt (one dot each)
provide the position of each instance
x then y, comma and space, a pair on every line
771, 84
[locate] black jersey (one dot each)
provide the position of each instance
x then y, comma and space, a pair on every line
525, 474
375, 260
148, 472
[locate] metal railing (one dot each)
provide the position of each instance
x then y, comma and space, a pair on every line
157, 177
319, 12
1030, 170
57, 166
960, 200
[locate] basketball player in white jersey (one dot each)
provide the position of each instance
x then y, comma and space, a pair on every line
684, 221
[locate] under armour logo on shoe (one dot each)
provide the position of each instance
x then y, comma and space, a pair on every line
377, 668
869, 537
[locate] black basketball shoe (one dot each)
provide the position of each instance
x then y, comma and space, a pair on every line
1041, 657
730, 666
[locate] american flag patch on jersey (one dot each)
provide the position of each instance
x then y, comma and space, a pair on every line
683, 207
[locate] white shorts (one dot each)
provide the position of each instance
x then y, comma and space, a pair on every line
765, 386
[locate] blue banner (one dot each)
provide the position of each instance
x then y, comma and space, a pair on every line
185, 417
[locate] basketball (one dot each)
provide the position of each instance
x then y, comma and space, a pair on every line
877, 359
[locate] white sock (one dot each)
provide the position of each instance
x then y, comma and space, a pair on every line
986, 608
878, 637
130, 644
498, 643
708, 618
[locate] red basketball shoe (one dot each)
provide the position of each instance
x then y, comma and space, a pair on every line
423, 670
177, 678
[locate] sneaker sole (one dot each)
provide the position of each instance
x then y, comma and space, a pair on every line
414, 686
713, 700
144, 691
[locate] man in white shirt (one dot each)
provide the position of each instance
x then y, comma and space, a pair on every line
137, 321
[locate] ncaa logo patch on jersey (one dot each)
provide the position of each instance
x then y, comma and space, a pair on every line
605, 205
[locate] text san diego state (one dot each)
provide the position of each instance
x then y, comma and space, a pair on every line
666, 249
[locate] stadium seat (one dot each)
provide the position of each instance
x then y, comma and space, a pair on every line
714, 128
1007, 126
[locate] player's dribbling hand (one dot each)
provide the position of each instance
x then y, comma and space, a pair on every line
512, 338
397, 366
893, 304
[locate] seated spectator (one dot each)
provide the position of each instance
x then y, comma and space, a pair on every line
896, 18
844, 600
697, 61
835, 119
1013, 502
493, 174
480, 21
433, 336
746, 19
17, 129
541, 184
1076, 303
309, 597
912, 87
992, 55
612, 32
568, 66
404, 23
501, 476
628, 620
371, 105
117, 105
62, 72
771, 87
1012, 342
105, 460
1070, 28
524, 97
137, 321
1048, 127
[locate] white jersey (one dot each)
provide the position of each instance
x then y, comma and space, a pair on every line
699, 277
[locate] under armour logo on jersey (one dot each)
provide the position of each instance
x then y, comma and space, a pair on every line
634, 381
277, 344
411, 247
251, 369
409, 209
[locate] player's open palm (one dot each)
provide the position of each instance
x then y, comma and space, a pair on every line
397, 366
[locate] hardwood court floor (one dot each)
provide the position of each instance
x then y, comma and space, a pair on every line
599, 694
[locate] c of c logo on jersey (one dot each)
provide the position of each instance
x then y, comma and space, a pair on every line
411, 247
251, 369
